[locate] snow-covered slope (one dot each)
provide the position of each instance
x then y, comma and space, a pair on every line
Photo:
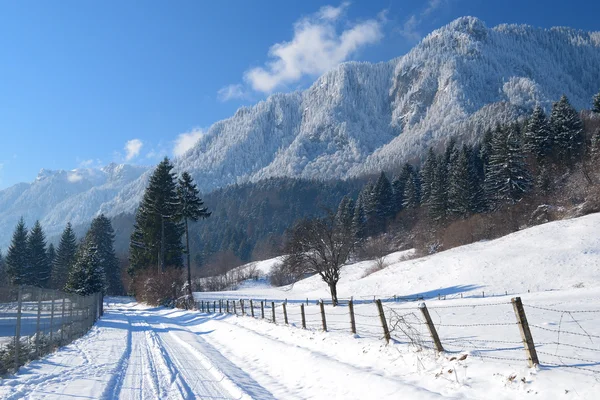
554, 256
358, 118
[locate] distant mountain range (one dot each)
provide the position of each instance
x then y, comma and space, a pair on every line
357, 119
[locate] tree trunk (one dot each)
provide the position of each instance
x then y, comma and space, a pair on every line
189, 271
333, 289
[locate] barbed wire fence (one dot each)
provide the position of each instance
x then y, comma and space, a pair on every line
36, 321
500, 331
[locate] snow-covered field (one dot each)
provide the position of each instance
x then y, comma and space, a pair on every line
140, 352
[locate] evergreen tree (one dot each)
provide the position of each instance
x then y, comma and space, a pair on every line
412, 191
399, 186
537, 136
507, 179
596, 103
65, 258
18, 268
156, 238
567, 129
595, 147
87, 274
191, 208
51, 253
427, 174
486, 147
383, 199
38, 256
345, 212
3, 276
460, 185
102, 236
359, 219
438, 199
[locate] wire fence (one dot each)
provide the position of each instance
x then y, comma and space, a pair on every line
503, 331
35, 321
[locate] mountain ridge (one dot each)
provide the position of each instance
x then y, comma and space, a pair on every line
357, 119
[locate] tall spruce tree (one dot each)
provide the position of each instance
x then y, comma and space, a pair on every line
191, 208
596, 103
427, 174
486, 147
65, 258
18, 268
3, 277
538, 135
383, 198
399, 186
438, 199
460, 185
102, 237
359, 219
412, 191
51, 253
507, 179
567, 129
87, 274
156, 238
38, 256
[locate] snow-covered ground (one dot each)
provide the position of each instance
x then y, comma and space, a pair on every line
140, 352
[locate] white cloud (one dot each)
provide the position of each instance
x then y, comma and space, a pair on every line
132, 148
410, 28
332, 13
315, 48
186, 141
74, 177
232, 92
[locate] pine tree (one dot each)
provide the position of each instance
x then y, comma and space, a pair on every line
507, 179
383, 198
65, 258
486, 147
596, 103
3, 275
191, 207
438, 199
102, 236
18, 268
38, 256
87, 274
51, 253
567, 129
345, 212
459, 188
156, 238
399, 186
537, 135
412, 191
427, 174
359, 220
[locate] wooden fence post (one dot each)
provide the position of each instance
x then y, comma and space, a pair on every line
323, 316
303, 316
525, 332
242, 307
227, 306
352, 320
202, 305
37, 324
18, 327
234, 309
386, 331
431, 327
285, 314
52, 319
220, 306
273, 311
251, 308
214, 307
62, 320
262, 309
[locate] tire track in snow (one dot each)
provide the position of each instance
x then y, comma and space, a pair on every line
115, 383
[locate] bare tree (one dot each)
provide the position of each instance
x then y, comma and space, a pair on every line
321, 246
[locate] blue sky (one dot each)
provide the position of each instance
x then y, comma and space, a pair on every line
86, 83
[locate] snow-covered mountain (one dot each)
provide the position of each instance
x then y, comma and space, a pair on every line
358, 118
56, 197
